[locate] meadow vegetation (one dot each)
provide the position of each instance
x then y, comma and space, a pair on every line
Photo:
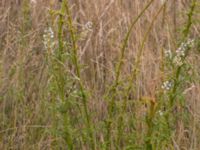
100, 74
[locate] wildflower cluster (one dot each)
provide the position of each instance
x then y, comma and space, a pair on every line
160, 113
88, 26
48, 38
180, 53
168, 53
167, 85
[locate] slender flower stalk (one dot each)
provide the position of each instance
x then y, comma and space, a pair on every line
112, 90
78, 74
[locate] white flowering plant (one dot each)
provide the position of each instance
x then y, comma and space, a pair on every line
177, 78
177, 58
48, 39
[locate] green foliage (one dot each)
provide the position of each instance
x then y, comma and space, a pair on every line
126, 119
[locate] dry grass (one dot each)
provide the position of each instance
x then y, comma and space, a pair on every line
28, 93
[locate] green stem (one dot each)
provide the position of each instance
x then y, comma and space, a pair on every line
77, 69
173, 94
111, 105
186, 32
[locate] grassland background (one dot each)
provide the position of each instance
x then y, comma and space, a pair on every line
30, 108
